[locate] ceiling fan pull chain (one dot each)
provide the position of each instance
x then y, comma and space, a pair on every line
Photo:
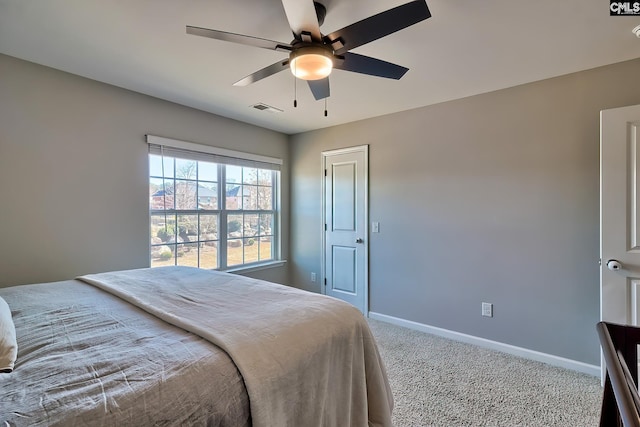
295, 91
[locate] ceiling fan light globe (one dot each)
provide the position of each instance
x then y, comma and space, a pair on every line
311, 66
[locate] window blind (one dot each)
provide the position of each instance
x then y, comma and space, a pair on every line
191, 151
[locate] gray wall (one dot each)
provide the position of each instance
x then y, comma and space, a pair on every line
74, 171
491, 198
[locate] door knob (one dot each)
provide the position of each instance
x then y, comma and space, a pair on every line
359, 241
614, 265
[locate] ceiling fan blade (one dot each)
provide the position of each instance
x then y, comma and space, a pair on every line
371, 66
302, 18
377, 26
319, 88
265, 72
238, 38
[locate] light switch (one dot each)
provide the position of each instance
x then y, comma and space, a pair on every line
375, 227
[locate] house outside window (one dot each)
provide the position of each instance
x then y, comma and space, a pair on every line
211, 211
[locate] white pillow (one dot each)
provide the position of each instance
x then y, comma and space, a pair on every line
8, 343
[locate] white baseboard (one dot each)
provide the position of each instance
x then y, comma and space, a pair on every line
493, 345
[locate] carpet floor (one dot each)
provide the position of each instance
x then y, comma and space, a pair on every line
440, 382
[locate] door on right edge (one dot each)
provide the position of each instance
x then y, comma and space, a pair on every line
620, 215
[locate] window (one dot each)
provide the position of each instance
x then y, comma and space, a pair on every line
211, 211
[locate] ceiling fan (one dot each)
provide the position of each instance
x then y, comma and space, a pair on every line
313, 55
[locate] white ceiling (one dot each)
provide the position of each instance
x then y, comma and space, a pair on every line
467, 47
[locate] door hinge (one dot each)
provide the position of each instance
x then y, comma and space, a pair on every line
325, 281
325, 172
325, 227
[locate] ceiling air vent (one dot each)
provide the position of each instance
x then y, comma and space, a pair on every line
264, 107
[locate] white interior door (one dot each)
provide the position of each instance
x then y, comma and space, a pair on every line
620, 215
345, 217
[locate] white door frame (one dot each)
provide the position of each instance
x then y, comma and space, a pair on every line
323, 278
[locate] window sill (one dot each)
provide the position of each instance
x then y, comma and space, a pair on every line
257, 267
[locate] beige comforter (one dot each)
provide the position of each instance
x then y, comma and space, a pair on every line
306, 359
87, 358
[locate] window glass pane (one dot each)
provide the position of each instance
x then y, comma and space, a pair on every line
265, 248
250, 197
233, 199
234, 226
209, 254
208, 241
163, 230
187, 254
186, 169
207, 171
207, 195
264, 177
162, 233
250, 175
160, 193
265, 198
208, 227
266, 237
162, 255
155, 166
250, 250
187, 228
162, 236
234, 174
250, 225
266, 224
185, 195
234, 252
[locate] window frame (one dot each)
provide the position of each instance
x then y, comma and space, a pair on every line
221, 211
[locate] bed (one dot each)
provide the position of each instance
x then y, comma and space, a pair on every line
185, 346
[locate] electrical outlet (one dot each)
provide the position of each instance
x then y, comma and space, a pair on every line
313, 277
487, 309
